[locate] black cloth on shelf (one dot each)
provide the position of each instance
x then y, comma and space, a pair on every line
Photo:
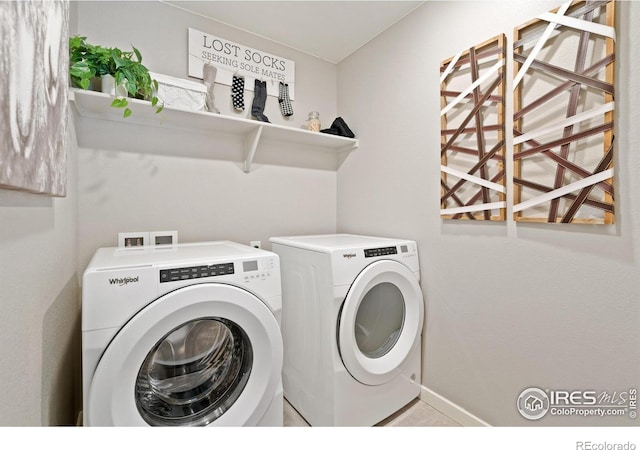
339, 128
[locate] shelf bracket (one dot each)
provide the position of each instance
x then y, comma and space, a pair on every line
250, 145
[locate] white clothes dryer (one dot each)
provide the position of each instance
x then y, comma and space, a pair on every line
182, 335
352, 318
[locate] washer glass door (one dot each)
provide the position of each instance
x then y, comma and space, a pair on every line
380, 321
206, 354
195, 373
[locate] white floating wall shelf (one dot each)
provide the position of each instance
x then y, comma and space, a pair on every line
96, 105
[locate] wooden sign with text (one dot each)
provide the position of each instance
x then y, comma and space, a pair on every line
232, 58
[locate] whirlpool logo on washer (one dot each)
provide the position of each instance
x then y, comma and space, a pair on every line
124, 281
348, 255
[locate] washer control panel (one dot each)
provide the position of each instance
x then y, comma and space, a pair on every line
259, 269
246, 271
188, 273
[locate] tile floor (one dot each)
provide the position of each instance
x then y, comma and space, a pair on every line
415, 414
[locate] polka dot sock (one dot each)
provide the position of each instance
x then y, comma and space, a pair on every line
285, 102
237, 93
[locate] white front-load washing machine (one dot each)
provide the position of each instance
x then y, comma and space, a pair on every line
352, 318
182, 335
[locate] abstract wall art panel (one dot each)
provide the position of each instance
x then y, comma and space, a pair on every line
563, 115
472, 95
34, 62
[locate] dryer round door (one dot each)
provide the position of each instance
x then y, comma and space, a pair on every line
206, 354
380, 322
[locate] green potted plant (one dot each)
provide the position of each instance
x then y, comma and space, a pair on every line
87, 61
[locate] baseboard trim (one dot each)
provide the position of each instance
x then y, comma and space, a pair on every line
450, 409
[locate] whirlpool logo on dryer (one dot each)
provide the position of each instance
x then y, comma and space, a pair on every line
124, 281
348, 255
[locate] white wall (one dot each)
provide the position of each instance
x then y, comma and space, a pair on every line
39, 305
508, 306
40, 302
197, 187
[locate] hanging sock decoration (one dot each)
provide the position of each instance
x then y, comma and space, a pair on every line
237, 93
285, 102
259, 100
209, 72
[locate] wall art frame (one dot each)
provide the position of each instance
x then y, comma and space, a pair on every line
472, 151
34, 63
563, 115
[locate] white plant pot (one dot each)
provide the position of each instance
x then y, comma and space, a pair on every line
109, 87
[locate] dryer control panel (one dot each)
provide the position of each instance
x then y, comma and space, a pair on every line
383, 251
